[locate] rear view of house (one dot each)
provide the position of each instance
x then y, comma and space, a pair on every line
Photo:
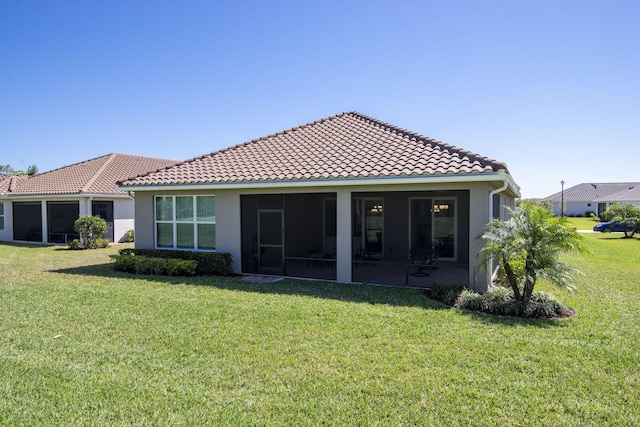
346, 198
43, 207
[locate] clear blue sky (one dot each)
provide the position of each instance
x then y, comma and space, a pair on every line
552, 88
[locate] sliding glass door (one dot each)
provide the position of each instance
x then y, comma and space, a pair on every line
368, 227
432, 222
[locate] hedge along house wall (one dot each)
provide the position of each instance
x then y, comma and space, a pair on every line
207, 263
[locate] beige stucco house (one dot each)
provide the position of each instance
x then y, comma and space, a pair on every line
347, 198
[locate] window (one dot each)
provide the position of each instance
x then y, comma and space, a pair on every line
1, 215
186, 222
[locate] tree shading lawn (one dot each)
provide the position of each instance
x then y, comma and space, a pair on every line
83, 344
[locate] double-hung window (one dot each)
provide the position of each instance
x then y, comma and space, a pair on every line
1, 215
185, 222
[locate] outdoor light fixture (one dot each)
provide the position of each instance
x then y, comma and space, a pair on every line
562, 199
438, 208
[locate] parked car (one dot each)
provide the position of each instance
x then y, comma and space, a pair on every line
609, 226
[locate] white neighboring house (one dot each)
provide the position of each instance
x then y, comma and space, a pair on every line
584, 198
630, 195
43, 207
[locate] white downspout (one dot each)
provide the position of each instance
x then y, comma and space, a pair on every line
492, 193
490, 271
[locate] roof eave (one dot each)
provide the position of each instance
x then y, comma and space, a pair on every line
333, 182
119, 195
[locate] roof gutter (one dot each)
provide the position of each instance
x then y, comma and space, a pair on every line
491, 272
343, 182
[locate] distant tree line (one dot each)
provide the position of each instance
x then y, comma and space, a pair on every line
7, 169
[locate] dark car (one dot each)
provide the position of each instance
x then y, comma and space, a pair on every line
609, 226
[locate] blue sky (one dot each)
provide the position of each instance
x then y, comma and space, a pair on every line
552, 88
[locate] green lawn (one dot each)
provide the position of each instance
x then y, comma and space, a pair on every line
83, 345
583, 223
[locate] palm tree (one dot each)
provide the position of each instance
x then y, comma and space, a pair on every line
527, 247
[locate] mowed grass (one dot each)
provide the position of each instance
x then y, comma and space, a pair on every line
83, 345
583, 223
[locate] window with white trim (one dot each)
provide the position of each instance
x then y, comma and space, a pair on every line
185, 222
1, 215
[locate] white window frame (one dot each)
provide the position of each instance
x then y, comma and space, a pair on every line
174, 222
2, 216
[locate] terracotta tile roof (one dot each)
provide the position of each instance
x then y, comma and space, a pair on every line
347, 145
591, 192
10, 183
95, 176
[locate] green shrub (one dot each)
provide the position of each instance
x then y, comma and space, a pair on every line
74, 244
544, 305
446, 294
128, 237
154, 265
500, 301
90, 228
208, 263
102, 243
469, 300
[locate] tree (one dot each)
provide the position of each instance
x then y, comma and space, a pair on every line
627, 214
527, 247
32, 170
90, 228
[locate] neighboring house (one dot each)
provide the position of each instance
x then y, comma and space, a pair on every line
43, 207
582, 199
346, 198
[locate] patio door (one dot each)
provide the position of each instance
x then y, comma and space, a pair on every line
104, 209
271, 241
368, 227
434, 222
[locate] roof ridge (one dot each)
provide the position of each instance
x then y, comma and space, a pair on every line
72, 164
95, 176
14, 181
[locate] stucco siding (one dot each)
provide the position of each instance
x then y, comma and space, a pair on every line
123, 218
143, 224
6, 234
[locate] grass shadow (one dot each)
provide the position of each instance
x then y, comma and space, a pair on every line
28, 245
616, 236
352, 292
493, 319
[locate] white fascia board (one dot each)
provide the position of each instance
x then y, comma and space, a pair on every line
310, 183
68, 196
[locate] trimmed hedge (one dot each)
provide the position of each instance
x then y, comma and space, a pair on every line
207, 263
154, 265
